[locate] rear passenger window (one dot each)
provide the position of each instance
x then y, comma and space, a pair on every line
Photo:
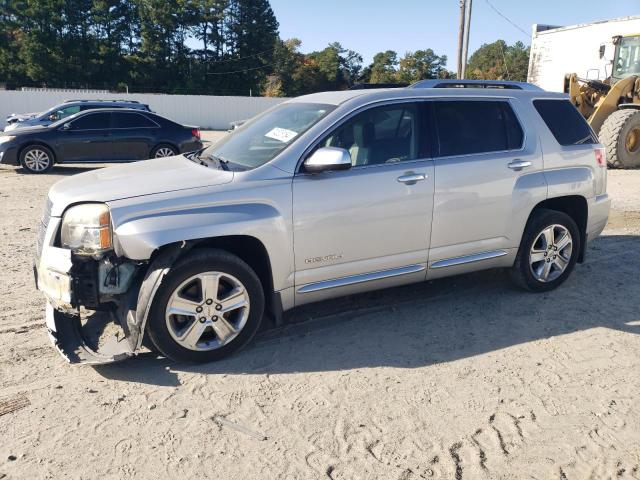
467, 127
565, 122
132, 120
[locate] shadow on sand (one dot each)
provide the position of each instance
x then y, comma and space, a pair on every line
429, 323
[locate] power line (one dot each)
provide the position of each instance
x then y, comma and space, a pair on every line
242, 71
216, 62
507, 19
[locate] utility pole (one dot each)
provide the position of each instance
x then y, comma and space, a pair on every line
467, 33
463, 8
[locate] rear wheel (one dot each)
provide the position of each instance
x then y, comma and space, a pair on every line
163, 150
208, 306
548, 251
620, 134
36, 159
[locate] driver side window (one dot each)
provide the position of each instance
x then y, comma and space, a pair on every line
379, 135
65, 112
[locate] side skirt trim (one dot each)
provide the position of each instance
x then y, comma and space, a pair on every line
476, 257
364, 277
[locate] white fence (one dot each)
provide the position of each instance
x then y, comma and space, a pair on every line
204, 111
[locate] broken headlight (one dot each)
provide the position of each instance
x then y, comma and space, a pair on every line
86, 229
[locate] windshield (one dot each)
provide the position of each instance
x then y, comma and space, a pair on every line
260, 140
628, 59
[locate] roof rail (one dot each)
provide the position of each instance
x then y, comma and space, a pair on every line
367, 86
100, 100
497, 84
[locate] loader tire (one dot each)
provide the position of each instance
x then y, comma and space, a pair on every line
620, 134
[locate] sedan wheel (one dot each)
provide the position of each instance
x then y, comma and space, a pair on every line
37, 160
164, 152
551, 253
207, 311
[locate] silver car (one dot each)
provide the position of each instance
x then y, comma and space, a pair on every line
324, 195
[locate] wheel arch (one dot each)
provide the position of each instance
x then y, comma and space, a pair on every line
248, 248
32, 143
576, 207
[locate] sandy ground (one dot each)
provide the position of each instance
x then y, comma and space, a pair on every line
463, 378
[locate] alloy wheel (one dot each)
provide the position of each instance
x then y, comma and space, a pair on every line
37, 160
164, 152
550, 253
207, 311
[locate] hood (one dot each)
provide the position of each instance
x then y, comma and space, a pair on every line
134, 180
24, 128
23, 116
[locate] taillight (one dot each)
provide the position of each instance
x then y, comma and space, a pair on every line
601, 156
196, 133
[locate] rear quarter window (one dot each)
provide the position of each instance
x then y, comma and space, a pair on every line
564, 121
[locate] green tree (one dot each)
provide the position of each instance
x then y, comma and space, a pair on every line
499, 61
383, 68
421, 65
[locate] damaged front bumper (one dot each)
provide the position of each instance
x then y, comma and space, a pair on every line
88, 321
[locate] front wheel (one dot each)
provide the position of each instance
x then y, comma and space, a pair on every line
548, 251
620, 134
209, 305
36, 159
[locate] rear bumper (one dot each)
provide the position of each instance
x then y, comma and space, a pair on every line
598, 216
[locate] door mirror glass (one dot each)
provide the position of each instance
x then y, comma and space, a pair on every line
328, 158
53, 117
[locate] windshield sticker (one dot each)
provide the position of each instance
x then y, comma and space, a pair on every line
281, 134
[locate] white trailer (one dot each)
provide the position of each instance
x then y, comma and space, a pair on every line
586, 49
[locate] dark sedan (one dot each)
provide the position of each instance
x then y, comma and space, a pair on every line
105, 135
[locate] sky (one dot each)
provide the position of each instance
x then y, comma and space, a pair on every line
371, 26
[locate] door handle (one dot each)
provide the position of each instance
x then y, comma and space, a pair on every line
518, 165
412, 178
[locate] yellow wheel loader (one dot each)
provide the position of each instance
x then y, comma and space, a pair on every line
612, 107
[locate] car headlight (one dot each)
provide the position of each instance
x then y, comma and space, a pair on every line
6, 138
86, 229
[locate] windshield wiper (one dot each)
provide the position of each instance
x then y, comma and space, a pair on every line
211, 160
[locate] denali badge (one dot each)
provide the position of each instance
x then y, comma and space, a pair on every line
326, 258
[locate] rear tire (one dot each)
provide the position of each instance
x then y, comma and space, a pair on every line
620, 134
36, 159
220, 301
163, 150
546, 257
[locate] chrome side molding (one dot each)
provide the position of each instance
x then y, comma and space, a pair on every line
476, 257
363, 277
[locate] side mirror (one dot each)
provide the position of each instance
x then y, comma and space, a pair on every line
53, 117
327, 159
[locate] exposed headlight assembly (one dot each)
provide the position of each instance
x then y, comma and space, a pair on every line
86, 229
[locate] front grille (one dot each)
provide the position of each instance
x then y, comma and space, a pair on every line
42, 227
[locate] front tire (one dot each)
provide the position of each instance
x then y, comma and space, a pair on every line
36, 159
209, 305
548, 251
620, 134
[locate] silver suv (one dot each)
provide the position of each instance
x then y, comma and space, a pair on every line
324, 195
